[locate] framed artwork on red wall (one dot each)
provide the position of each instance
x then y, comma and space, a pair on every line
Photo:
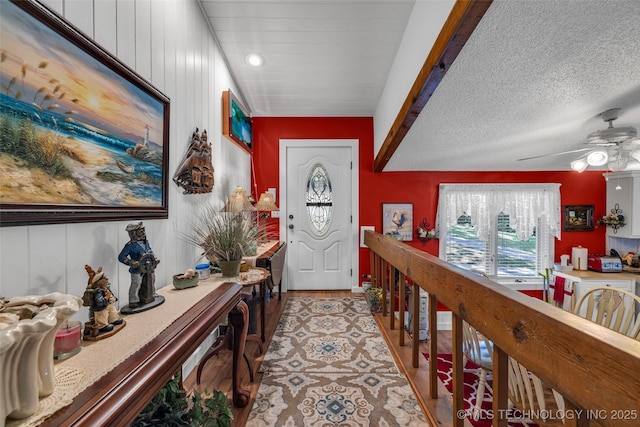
236, 123
397, 220
577, 218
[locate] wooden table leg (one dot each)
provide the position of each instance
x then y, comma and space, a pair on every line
263, 296
215, 349
239, 319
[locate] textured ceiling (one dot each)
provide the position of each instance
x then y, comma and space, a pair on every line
530, 81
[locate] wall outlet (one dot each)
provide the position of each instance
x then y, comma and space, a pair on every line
275, 214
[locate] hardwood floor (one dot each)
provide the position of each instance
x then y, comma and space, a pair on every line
217, 372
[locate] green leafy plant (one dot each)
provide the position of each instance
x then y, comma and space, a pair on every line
170, 407
374, 298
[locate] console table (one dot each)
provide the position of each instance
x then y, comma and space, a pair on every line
117, 397
272, 259
254, 276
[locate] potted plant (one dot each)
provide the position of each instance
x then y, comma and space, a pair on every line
170, 407
225, 238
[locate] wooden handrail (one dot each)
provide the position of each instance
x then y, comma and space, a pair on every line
591, 366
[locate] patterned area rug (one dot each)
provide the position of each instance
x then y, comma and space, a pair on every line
328, 365
517, 418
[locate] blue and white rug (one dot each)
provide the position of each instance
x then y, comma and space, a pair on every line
328, 365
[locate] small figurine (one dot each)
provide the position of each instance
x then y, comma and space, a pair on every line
103, 316
142, 262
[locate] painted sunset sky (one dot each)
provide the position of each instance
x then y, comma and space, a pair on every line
46, 63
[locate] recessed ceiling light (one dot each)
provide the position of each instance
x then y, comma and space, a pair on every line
254, 59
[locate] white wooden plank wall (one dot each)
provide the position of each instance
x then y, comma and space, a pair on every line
168, 43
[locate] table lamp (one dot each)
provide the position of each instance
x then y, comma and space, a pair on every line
266, 203
238, 202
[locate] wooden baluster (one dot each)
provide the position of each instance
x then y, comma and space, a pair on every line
500, 387
458, 371
433, 346
392, 297
384, 283
415, 326
401, 307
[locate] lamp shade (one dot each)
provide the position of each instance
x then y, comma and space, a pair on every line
238, 202
266, 202
579, 165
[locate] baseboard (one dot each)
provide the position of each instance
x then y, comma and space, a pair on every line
192, 362
444, 320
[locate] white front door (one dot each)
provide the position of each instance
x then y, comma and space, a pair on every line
319, 213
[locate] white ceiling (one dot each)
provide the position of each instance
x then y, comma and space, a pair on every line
530, 81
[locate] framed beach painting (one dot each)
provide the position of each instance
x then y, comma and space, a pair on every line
236, 123
397, 220
84, 138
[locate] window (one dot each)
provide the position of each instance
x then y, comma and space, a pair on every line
501, 230
319, 198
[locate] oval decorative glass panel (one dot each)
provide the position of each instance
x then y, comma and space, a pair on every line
319, 199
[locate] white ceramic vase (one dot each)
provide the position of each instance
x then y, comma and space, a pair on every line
19, 353
26, 354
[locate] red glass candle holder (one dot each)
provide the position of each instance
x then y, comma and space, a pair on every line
67, 341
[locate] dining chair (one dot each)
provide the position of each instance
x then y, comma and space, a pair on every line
612, 308
478, 349
530, 395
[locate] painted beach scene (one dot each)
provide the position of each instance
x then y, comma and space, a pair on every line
73, 129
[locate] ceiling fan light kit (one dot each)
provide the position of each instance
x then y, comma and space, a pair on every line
597, 158
616, 146
579, 165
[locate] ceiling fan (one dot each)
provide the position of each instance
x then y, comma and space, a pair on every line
612, 146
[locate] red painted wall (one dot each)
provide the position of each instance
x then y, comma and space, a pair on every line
419, 188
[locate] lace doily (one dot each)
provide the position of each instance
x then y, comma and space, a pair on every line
67, 380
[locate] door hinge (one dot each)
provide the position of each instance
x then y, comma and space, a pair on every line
351, 165
351, 219
351, 272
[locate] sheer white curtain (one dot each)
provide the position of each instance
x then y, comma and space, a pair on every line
524, 203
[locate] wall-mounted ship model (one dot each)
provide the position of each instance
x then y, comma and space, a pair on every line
195, 172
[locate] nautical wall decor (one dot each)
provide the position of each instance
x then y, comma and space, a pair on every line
195, 172
85, 138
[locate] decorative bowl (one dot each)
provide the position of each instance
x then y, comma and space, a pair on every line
180, 282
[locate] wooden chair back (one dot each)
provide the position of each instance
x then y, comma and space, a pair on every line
529, 394
612, 308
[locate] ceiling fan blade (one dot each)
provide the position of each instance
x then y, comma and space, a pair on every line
556, 154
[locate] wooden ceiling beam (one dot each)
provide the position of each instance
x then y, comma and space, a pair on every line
463, 19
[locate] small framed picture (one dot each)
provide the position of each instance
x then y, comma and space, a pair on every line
397, 220
577, 218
